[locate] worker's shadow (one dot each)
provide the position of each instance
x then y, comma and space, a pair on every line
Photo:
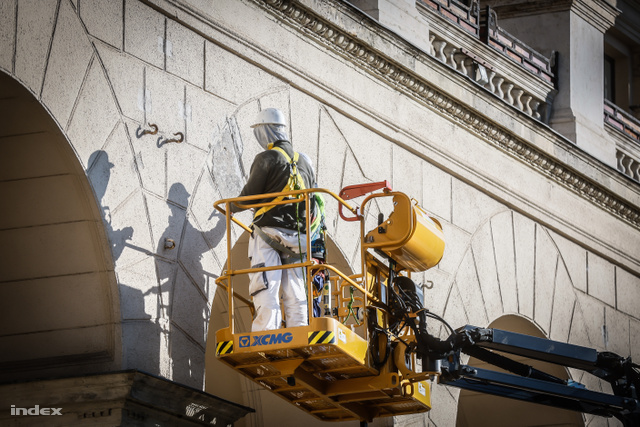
132, 298
184, 286
171, 310
100, 172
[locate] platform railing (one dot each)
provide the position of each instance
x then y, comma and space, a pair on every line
249, 202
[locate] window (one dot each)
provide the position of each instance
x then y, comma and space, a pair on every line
622, 60
609, 79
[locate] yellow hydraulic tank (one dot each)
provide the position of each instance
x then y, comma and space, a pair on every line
410, 236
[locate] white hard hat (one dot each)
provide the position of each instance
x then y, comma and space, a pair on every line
269, 116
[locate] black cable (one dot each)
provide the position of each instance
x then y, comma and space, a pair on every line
440, 319
398, 338
377, 361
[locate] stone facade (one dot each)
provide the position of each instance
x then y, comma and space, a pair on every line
539, 222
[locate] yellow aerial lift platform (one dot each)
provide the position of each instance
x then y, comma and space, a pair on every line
371, 355
323, 369
327, 368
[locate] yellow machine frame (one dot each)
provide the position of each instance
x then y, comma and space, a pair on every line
327, 368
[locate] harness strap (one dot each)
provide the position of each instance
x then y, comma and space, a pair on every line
286, 156
277, 245
293, 164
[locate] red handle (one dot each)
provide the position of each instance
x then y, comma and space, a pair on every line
353, 191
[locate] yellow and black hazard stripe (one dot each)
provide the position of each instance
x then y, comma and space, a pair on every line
224, 347
322, 337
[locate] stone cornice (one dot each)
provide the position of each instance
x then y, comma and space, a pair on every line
598, 13
515, 8
413, 85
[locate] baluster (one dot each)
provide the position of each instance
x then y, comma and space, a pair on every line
432, 51
451, 58
439, 46
527, 106
462, 66
492, 87
635, 169
626, 166
509, 97
535, 107
517, 94
499, 91
619, 157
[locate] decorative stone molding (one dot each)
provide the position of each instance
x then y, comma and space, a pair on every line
598, 13
413, 85
625, 130
462, 61
628, 165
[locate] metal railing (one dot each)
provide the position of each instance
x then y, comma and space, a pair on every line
339, 281
622, 121
299, 196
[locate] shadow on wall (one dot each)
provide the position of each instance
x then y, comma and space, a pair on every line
99, 160
165, 303
193, 287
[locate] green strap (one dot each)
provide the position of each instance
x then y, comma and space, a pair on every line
351, 310
320, 216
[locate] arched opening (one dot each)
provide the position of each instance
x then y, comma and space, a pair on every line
478, 409
58, 294
222, 381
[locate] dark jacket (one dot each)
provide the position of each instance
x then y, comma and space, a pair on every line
269, 174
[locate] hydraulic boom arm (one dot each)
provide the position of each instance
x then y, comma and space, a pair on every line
521, 381
531, 385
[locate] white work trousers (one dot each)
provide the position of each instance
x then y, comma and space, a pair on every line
265, 286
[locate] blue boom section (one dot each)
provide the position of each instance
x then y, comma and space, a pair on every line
528, 384
521, 381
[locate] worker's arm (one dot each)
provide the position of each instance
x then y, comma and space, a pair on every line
257, 179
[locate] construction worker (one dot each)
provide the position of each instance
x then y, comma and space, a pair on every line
278, 235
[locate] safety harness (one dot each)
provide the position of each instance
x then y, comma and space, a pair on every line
289, 257
295, 182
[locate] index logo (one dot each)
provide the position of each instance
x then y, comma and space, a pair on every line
36, 410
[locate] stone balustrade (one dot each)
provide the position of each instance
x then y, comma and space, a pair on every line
514, 49
480, 50
628, 165
507, 89
484, 26
628, 127
622, 121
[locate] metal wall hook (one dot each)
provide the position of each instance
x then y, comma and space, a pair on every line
142, 132
169, 243
178, 140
